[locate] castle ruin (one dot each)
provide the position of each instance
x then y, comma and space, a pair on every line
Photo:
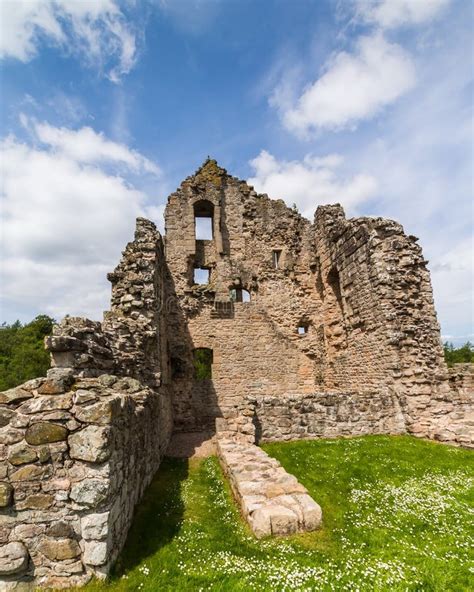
245, 321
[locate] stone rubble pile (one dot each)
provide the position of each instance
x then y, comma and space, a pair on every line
271, 500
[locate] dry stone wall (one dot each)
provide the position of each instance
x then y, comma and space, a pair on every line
325, 415
75, 457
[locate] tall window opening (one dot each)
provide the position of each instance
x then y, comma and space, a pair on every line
202, 359
204, 220
335, 286
201, 275
276, 256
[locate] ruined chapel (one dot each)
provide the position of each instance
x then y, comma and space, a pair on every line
245, 321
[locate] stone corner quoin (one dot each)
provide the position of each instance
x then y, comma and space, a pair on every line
244, 320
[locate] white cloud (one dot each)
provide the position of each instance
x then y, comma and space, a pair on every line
452, 277
353, 87
86, 145
311, 182
395, 13
95, 30
64, 222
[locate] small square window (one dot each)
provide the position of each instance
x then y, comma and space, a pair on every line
302, 329
201, 276
276, 255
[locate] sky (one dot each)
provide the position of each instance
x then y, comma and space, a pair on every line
106, 106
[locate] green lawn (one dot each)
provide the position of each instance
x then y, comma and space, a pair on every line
396, 514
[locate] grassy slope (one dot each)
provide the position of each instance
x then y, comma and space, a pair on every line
396, 517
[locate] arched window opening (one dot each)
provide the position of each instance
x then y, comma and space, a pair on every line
202, 359
239, 295
204, 220
201, 276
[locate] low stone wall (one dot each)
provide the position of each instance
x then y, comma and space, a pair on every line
271, 500
75, 457
461, 378
446, 416
316, 415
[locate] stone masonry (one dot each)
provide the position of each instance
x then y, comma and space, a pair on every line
299, 329
271, 500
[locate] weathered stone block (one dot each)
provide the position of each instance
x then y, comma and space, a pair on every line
5, 416
90, 492
60, 530
14, 395
59, 549
30, 473
90, 444
39, 501
284, 521
21, 454
44, 433
13, 559
46, 403
95, 526
100, 413
95, 553
6, 494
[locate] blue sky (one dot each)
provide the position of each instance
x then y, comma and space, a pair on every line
108, 105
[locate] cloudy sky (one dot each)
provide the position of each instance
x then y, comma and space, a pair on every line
108, 105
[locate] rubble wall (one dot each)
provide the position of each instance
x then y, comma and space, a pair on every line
256, 345
78, 448
75, 457
360, 287
326, 415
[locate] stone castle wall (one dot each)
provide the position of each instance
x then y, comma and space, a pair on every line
75, 458
325, 415
79, 447
360, 287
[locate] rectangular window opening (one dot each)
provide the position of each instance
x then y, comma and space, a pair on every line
276, 255
201, 276
302, 329
203, 228
202, 359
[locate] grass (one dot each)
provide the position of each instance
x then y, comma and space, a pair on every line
397, 516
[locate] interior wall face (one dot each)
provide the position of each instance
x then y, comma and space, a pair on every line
359, 287
256, 345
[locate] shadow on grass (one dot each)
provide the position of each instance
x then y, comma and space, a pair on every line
158, 517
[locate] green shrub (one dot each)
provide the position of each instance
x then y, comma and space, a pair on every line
460, 355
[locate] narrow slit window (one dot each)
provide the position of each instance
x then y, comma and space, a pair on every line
201, 276
202, 359
276, 256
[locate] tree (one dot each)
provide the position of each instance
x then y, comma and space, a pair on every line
22, 353
460, 355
